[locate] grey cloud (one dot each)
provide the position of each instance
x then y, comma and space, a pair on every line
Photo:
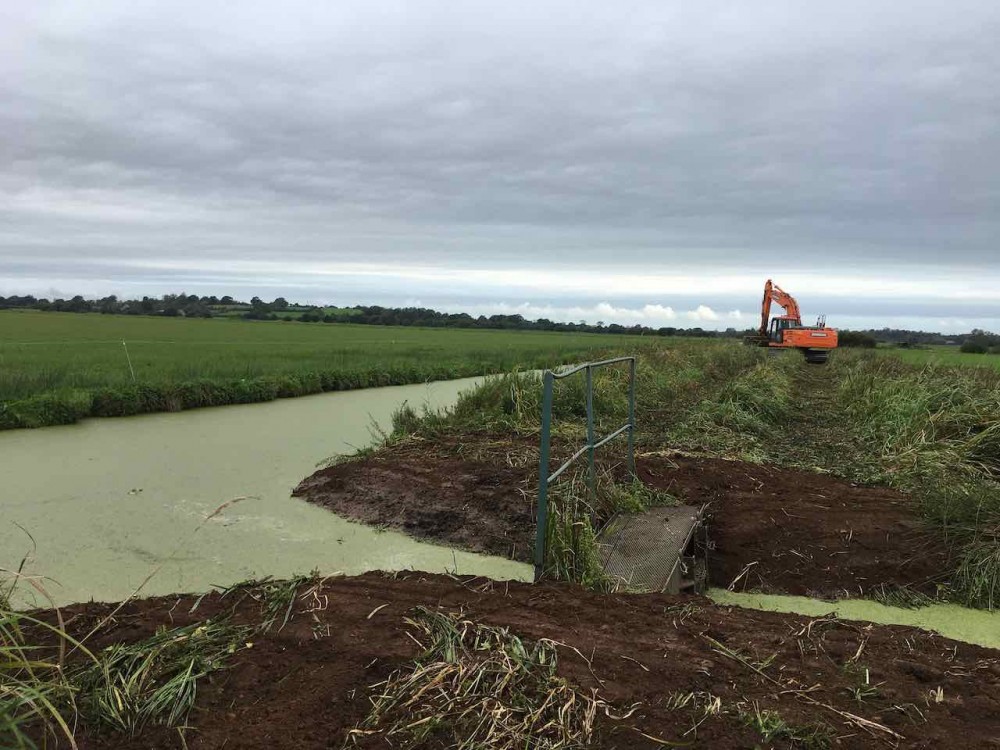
641, 135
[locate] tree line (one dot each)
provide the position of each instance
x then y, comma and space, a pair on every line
195, 306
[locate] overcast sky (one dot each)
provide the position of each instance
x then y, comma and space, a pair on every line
621, 161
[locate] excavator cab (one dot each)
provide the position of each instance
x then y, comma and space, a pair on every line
779, 325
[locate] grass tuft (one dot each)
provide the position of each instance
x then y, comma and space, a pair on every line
771, 727
153, 681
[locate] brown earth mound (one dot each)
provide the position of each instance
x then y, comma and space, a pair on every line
800, 532
305, 685
480, 505
770, 528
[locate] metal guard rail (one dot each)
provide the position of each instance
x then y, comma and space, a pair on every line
544, 477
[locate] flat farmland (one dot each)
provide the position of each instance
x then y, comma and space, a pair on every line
58, 367
944, 355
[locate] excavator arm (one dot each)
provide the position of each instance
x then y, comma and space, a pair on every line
775, 294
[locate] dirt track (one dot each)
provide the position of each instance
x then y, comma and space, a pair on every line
785, 530
305, 686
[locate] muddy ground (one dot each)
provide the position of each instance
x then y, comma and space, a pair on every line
770, 529
306, 685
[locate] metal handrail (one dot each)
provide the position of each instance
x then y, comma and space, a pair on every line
544, 477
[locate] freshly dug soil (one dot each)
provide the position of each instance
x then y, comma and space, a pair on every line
305, 685
797, 532
784, 530
432, 493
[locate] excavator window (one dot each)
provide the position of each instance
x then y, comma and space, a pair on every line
778, 326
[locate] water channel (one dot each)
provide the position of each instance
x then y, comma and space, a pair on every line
108, 501
970, 625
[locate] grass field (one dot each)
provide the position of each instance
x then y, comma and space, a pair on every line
58, 367
943, 355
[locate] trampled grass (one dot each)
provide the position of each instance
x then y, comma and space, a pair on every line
58, 367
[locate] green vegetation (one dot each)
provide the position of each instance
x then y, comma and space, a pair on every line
714, 397
944, 355
771, 727
34, 689
52, 685
48, 690
152, 681
58, 368
931, 431
936, 433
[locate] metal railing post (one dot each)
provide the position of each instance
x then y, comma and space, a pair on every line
543, 476
592, 471
631, 416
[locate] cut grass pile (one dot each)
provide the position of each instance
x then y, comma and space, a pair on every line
52, 691
57, 368
482, 687
154, 681
48, 692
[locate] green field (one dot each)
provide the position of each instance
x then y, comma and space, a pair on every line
58, 367
943, 355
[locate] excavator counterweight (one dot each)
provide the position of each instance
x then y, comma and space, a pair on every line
787, 332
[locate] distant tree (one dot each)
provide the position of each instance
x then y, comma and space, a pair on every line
280, 303
974, 347
227, 300
108, 305
856, 339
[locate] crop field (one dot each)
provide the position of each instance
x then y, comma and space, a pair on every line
56, 368
943, 355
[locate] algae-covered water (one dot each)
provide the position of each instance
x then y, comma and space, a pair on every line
108, 501
950, 620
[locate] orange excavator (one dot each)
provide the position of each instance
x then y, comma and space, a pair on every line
787, 332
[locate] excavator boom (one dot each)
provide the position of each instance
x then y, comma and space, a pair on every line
774, 293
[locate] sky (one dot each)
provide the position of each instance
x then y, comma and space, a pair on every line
632, 162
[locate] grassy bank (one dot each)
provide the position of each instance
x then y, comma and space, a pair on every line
932, 432
936, 433
713, 398
57, 368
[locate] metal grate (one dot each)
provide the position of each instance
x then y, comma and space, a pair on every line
643, 551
